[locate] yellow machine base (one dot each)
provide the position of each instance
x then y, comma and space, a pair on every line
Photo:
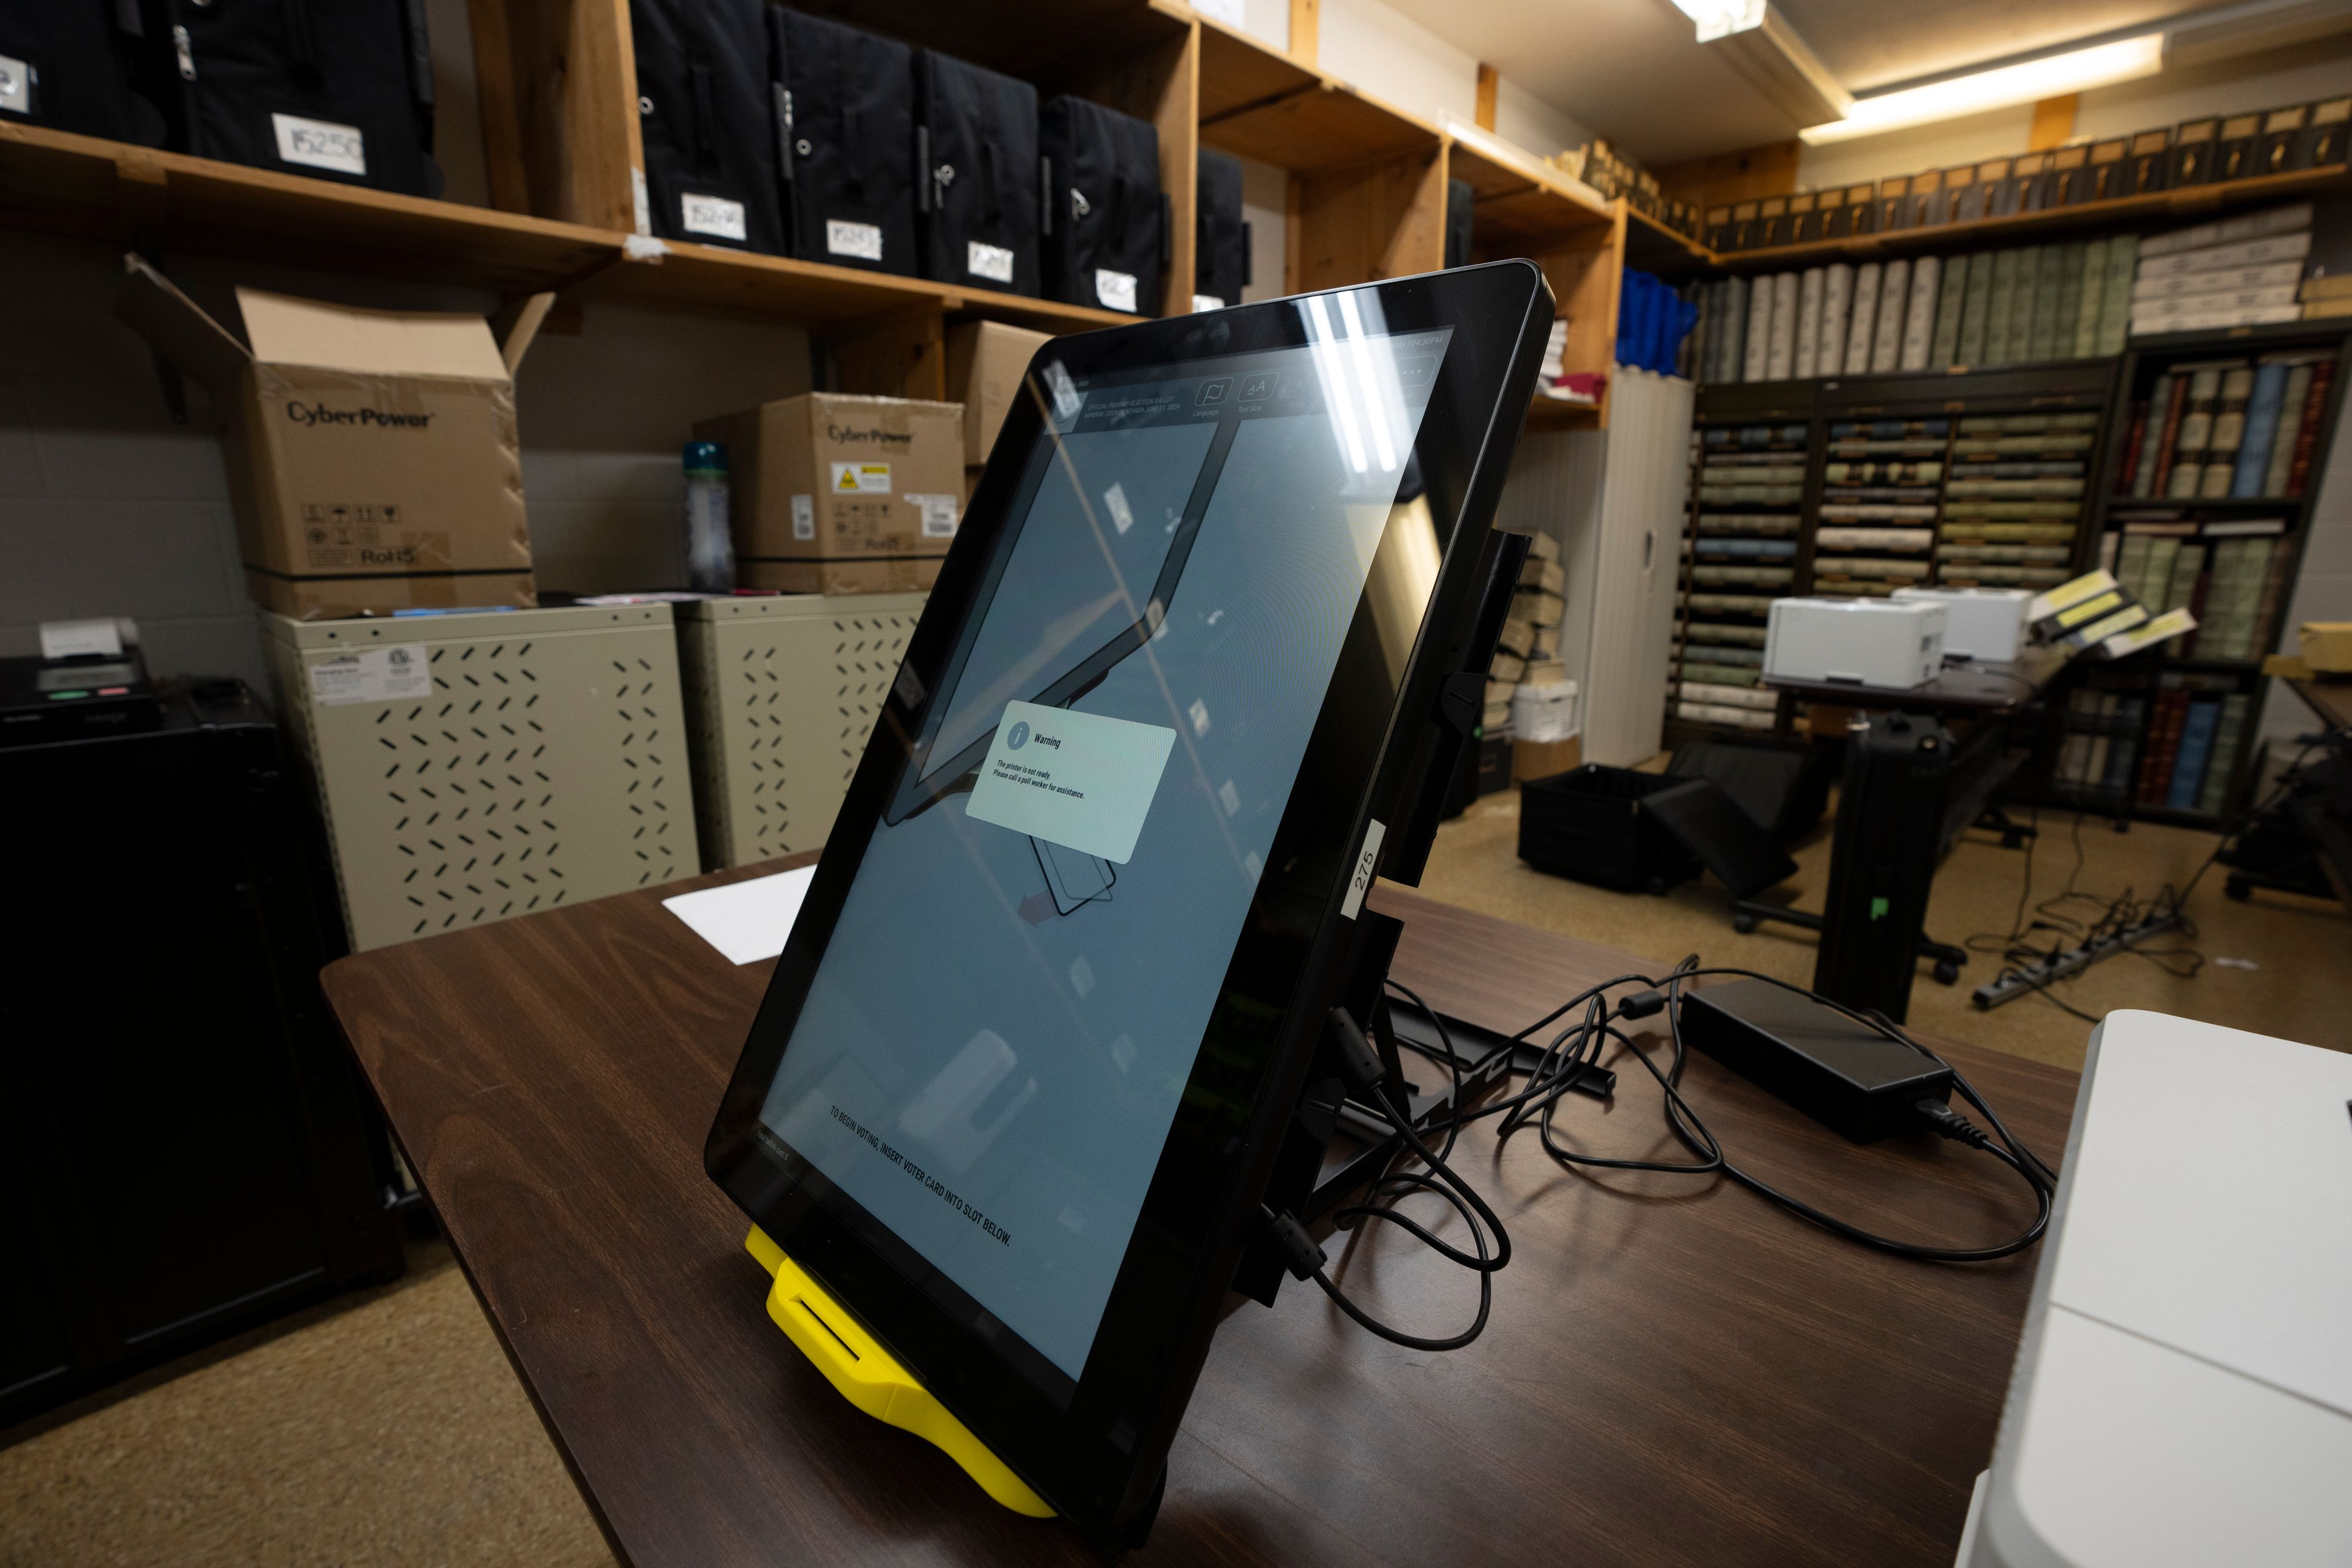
870, 1378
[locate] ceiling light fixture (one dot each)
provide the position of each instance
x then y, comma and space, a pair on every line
2048, 77
1717, 17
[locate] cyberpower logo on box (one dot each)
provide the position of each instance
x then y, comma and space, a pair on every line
843, 433
319, 414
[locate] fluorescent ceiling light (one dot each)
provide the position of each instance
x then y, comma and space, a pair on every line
2049, 77
1715, 19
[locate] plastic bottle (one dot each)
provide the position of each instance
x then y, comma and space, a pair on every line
710, 548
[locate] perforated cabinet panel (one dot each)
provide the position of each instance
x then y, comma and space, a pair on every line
547, 764
784, 693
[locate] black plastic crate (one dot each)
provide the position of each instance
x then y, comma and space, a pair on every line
1589, 825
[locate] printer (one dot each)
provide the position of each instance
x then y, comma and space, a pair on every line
2183, 1387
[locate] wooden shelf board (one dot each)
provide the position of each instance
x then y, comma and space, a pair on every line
101, 190
82, 187
2183, 206
1520, 204
1652, 246
1258, 103
1551, 413
712, 278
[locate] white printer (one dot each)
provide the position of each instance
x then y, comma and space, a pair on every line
1978, 623
1869, 642
2183, 1389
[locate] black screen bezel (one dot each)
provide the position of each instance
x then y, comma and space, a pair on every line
1096, 1457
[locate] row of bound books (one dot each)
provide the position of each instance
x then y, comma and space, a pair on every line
2230, 575
2228, 430
2243, 271
2207, 151
2184, 760
2030, 305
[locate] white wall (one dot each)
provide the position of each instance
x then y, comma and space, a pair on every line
109, 508
2271, 79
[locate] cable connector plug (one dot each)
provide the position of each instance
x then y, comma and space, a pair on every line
1300, 1255
1359, 1063
1642, 1005
1946, 1122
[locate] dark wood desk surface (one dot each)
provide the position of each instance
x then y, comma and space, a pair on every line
2331, 699
1674, 1373
1966, 689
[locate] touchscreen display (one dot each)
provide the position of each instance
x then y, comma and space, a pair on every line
995, 1042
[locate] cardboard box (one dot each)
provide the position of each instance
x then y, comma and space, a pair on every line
372, 459
835, 494
986, 361
1546, 759
2327, 645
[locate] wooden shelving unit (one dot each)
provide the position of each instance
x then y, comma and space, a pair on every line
2193, 204
556, 82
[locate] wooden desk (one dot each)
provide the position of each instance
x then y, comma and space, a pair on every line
1964, 690
2331, 699
1674, 1373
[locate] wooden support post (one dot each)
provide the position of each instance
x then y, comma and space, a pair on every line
1306, 27
1489, 81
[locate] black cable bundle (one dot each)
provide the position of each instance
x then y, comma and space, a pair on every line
1574, 1051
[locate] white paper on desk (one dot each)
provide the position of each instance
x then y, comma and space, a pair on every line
746, 921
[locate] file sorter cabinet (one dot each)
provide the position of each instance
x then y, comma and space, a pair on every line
783, 693
474, 767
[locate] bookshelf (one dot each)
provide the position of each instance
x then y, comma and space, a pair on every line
2146, 707
2054, 414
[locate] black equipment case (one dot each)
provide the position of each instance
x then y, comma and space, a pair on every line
186, 1146
1105, 219
1220, 261
68, 65
977, 197
334, 90
703, 105
1460, 206
844, 122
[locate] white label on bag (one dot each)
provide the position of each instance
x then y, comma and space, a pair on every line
16, 85
862, 240
321, 144
641, 201
712, 215
861, 478
991, 261
1207, 303
1360, 882
1115, 290
400, 673
939, 515
804, 517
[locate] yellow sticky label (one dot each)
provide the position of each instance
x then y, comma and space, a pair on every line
2089, 608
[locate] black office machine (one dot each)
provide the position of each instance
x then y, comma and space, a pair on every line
184, 1146
91, 680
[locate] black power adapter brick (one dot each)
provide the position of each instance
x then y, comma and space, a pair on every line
1843, 1074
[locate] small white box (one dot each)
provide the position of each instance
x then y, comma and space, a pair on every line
1870, 642
1979, 623
1544, 712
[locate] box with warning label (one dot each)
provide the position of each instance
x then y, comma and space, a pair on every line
372, 456
834, 494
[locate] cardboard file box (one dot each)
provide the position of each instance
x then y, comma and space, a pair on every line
835, 494
372, 457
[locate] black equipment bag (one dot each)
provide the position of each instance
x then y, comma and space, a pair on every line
68, 65
1459, 196
844, 120
977, 194
335, 89
1106, 222
710, 136
1220, 260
